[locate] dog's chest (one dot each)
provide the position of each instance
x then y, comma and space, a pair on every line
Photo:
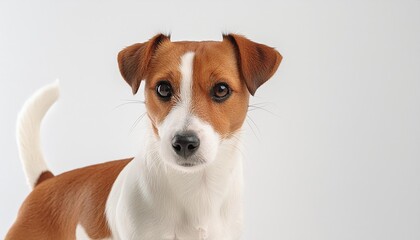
172, 222
146, 212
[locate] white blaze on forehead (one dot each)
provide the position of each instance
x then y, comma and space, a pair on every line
178, 117
181, 118
186, 69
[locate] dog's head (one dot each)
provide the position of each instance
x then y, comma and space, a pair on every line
196, 93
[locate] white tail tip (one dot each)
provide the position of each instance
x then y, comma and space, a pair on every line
28, 131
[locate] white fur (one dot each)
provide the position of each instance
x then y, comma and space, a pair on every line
28, 131
154, 198
81, 233
181, 118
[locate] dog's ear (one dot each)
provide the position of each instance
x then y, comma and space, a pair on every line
257, 62
134, 60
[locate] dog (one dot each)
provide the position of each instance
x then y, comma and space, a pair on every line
187, 183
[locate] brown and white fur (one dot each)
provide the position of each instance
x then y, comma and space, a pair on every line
161, 193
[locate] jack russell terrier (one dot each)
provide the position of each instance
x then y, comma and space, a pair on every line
187, 184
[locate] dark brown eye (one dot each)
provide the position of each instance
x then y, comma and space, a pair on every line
220, 92
164, 90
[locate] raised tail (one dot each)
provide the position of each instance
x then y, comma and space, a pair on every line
28, 133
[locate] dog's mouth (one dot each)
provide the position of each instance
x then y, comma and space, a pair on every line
189, 163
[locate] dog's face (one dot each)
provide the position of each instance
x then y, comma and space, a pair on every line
197, 93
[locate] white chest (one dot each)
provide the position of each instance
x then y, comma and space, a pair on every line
147, 208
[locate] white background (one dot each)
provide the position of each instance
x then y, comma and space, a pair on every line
334, 155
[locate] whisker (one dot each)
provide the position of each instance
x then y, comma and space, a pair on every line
254, 107
252, 129
137, 121
253, 122
133, 100
129, 102
266, 103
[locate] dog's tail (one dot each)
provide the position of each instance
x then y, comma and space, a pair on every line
28, 133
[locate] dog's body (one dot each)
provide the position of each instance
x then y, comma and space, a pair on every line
188, 182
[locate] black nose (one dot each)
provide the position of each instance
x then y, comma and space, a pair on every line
185, 143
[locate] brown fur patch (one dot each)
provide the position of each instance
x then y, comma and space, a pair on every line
55, 206
44, 176
216, 63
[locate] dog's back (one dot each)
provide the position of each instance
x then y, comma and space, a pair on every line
57, 205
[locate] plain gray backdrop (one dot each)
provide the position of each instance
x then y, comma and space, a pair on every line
334, 153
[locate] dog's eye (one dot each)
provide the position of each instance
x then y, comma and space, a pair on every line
164, 90
220, 92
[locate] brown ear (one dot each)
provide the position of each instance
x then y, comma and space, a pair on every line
257, 62
133, 61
